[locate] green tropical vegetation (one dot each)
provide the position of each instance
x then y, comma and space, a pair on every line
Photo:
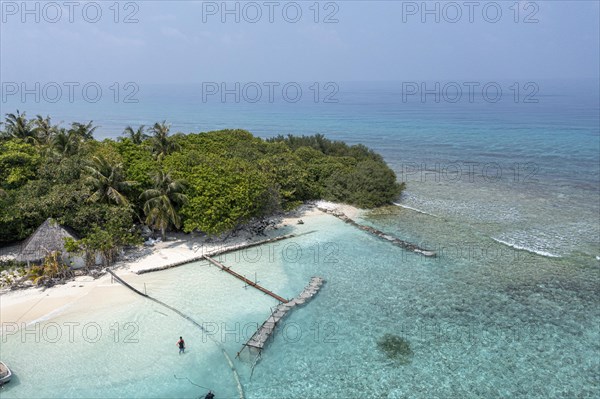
49, 269
210, 182
162, 202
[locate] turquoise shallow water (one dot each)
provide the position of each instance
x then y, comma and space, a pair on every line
474, 331
482, 320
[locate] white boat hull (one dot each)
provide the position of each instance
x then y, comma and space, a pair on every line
5, 374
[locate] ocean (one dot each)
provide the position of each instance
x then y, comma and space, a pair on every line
504, 187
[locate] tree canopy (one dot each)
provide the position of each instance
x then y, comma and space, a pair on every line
208, 182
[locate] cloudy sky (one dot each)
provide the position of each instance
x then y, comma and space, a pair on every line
185, 41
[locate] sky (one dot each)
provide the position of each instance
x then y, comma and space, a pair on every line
194, 42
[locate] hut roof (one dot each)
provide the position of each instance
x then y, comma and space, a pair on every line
49, 237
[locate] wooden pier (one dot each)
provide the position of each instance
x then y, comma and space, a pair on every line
260, 337
215, 252
244, 279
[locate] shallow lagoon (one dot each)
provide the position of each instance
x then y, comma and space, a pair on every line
498, 323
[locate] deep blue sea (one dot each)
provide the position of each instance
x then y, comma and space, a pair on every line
506, 188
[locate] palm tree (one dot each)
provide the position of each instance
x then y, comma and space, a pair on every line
136, 136
65, 143
17, 126
86, 132
162, 202
107, 180
44, 130
162, 144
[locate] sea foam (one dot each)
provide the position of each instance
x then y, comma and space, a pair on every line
526, 248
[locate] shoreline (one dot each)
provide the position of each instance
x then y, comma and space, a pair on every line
32, 305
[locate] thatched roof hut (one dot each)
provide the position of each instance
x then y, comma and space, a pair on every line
49, 237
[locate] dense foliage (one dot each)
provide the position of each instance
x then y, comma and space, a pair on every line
209, 182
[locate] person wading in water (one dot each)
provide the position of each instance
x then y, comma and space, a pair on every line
181, 344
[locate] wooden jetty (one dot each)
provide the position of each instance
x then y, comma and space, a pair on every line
244, 279
378, 233
215, 252
260, 337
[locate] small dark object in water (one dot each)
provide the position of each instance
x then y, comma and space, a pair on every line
209, 395
300, 221
396, 348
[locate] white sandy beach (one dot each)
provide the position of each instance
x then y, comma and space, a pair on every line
27, 306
